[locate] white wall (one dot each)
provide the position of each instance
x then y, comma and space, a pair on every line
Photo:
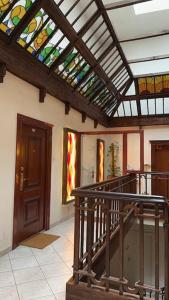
17, 96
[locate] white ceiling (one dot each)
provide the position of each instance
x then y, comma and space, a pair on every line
128, 25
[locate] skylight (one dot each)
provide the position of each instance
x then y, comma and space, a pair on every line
152, 6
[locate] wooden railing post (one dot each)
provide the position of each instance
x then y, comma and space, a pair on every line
166, 254
108, 224
76, 239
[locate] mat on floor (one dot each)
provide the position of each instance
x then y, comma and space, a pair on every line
40, 240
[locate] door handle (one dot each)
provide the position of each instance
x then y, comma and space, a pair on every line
21, 179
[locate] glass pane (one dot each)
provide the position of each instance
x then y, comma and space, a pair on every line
166, 105
159, 106
4, 5
15, 15
151, 106
127, 108
134, 108
144, 110
32, 28
71, 164
42, 37
50, 53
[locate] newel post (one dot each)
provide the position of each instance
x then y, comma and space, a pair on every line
76, 239
166, 247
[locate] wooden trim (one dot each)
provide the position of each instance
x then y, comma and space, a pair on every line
109, 132
122, 4
21, 119
142, 151
78, 163
144, 37
125, 151
98, 159
140, 121
159, 142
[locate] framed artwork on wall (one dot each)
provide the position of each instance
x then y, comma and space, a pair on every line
100, 160
71, 163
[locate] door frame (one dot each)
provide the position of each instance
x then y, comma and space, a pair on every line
156, 142
24, 120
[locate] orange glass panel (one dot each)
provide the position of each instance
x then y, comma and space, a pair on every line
151, 85
101, 161
71, 164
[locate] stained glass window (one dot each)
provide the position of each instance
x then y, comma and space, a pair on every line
156, 84
29, 32
74, 68
100, 160
4, 5
71, 164
16, 14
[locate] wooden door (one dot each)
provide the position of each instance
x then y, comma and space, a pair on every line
32, 186
160, 163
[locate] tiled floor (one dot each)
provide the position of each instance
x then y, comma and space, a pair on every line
27, 273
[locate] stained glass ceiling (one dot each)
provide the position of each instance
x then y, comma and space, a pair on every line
75, 41
99, 73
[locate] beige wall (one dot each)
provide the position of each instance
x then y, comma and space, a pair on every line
17, 96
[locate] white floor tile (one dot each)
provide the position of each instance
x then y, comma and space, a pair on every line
21, 251
47, 298
4, 257
5, 266
46, 250
66, 255
27, 275
55, 269
33, 290
24, 262
45, 259
9, 293
58, 284
61, 296
6, 279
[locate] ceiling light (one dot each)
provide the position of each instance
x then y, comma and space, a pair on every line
152, 6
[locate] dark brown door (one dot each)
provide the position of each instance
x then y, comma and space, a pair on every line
32, 168
160, 163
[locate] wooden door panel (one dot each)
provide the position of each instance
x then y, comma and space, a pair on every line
31, 210
160, 163
32, 187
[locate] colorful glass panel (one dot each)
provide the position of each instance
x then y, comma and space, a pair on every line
71, 164
42, 37
4, 5
156, 84
100, 160
14, 17
74, 68
50, 53
32, 28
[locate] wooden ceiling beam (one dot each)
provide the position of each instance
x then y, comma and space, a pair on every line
42, 94
147, 59
139, 121
27, 68
76, 41
124, 3
2, 72
113, 34
144, 37
147, 96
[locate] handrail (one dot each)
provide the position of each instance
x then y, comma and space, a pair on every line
118, 196
101, 214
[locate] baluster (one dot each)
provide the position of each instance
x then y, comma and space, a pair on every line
97, 222
166, 256
139, 183
141, 251
101, 219
121, 244
107, 243
82, 232
76, 239
89, 239
156, 252
146, 191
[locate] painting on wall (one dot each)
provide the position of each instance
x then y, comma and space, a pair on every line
153, 84
71, 164
100, 160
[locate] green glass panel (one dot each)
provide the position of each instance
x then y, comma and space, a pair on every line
50, 53
15, 15
42, 37
32, 28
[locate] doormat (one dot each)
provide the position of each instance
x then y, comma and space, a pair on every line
40, 240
